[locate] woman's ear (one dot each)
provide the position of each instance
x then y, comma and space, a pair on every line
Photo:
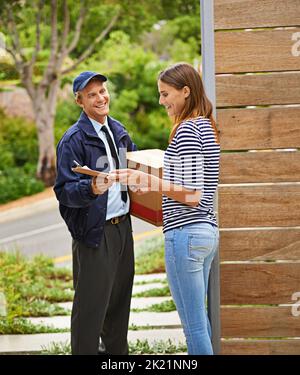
186, 91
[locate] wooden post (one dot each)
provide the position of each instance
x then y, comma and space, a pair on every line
208, 75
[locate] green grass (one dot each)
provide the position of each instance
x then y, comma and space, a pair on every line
155, 292
157, 347
152, 281
38, 308
60, 348
22, 326
150, 257
165, 306
31, 288
134, 327
136, 347
48, 290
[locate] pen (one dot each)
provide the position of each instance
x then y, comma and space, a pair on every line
77, 164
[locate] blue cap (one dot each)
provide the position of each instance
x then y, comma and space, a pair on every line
84, 78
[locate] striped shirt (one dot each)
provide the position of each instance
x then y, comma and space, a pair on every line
192, 161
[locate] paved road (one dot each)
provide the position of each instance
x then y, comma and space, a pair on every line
40, 229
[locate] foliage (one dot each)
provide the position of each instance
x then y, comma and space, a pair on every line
137, 17
8, 71
157, 347
151, 281
155, 292
57, 348
40, 307
18, 182
132, 76
18, 137
66, 115
147, 37
175, 40
136, 347
165, 306
18, 158
30, 286
175, 8
150, 257
23, 326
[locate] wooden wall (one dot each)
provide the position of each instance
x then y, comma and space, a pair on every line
258, 115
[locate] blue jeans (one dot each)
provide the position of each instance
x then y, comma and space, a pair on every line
189, 251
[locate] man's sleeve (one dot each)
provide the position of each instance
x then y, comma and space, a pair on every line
70, 189
132, 146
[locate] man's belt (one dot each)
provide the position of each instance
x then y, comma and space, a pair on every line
116, 220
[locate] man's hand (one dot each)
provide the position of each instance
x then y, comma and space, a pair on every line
100, 184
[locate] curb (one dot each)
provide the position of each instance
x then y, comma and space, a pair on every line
25, 201
25, 206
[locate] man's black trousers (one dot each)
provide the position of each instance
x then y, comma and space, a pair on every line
103, 279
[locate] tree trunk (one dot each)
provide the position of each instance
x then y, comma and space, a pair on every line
44, 107
46, 163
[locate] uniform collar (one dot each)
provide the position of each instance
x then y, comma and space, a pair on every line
97, 125
85, 124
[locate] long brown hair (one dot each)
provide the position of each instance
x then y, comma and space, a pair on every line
197, 103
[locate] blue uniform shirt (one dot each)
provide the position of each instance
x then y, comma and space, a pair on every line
115, 205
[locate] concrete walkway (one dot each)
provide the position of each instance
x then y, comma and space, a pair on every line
164, 325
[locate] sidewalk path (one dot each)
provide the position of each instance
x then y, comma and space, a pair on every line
166, 325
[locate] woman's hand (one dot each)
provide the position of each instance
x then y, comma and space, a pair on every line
135, 179
138, 191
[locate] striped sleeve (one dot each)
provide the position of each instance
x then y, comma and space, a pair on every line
192, 160
189, 151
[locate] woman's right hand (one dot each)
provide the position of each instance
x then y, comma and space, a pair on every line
138, 190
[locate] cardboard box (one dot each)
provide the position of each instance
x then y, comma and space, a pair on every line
147, 206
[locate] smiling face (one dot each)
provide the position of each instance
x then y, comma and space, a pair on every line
172, 99
94, 100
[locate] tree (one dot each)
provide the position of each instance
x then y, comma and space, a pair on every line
57, 29
48, 39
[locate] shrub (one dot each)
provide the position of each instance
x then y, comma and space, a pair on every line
16, 183
18, 158
67, 113
19, 137
8, 71
150, 256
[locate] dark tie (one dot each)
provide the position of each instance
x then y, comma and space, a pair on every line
115, 158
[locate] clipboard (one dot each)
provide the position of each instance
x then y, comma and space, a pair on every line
89, 172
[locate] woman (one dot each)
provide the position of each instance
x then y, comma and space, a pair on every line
190, 178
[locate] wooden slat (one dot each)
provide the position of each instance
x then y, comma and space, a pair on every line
238, 14
259, 206
260, 244
260, 347
258, 89
261, 166
255, 51
259, 283
259, 128
271, 321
